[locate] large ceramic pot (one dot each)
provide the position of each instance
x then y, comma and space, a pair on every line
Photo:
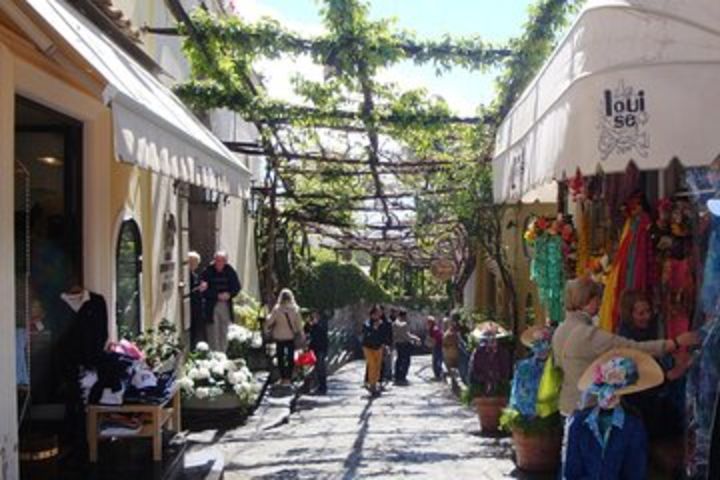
489, 410
537, 452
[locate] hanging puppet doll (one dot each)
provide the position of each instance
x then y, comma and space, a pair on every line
604, 440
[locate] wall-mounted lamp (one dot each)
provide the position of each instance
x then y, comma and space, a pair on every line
257, 197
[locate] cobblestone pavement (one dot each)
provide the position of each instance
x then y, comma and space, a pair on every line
419, 431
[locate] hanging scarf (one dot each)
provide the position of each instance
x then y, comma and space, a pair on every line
548, 272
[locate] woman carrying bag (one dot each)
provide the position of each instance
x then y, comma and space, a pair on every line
285, 328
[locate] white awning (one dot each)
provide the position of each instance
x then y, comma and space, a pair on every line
153, 128
633, 80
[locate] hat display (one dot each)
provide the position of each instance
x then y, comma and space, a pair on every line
535, 333
647, 372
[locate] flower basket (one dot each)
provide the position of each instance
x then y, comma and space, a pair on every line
537, 451
217, 390
489, 410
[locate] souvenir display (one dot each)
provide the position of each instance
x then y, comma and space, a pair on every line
554, 242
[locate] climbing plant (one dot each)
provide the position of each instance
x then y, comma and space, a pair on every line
354, 145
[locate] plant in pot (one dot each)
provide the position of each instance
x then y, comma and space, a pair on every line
488, 401
212, 381
532, 416
250, 316
490, 371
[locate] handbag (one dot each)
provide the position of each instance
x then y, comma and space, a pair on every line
298, 339
305, 359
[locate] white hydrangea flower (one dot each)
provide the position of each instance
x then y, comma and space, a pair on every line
215, 391
230, 366
256, 341
219, 356
192, 374
202, 347
203, 374
218, 369
202, 392
186, 384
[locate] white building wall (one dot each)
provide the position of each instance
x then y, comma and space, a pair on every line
236, 229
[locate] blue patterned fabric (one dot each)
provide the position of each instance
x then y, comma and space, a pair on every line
601, 425
623, 457
525, 383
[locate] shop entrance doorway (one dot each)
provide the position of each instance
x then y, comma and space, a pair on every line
48, 242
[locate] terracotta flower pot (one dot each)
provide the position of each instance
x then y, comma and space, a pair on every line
538, 452
489, 410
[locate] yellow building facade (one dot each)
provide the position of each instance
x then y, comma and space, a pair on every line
73, 213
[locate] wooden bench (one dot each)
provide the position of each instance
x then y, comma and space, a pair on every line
155, 417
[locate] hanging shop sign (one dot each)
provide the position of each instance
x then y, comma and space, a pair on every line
167, 264
623, 122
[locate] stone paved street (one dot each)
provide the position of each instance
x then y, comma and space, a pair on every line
419, 431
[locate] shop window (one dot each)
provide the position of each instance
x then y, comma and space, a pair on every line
128, 271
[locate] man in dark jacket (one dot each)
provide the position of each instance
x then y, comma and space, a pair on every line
317, 331
219, 284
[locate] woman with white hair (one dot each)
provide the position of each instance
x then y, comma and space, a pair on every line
285, 328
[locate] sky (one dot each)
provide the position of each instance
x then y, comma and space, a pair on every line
493, 20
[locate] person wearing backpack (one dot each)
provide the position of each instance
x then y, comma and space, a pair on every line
284, 327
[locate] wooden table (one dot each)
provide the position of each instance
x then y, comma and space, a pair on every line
155, 417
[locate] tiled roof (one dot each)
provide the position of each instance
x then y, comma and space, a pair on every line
118, 18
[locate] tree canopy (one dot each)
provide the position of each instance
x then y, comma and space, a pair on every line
359, 161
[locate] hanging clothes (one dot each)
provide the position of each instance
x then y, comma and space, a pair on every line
632, 267
547, 270
525, 383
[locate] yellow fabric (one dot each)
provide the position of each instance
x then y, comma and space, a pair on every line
609, 294
549, 389
373, 357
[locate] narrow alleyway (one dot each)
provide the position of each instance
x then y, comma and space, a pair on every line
419, 431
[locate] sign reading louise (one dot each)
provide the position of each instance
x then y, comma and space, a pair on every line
623, 120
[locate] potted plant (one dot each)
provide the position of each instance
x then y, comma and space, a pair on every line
532, 417
489, 402
213, 381
537, 440
249, 315
490, 373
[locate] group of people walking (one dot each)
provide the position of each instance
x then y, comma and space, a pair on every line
385, 335
285, 327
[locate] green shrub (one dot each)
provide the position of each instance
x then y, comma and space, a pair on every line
511, 420
332, 285
475, 390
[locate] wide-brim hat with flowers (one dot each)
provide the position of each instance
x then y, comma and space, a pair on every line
534, 334
649, 373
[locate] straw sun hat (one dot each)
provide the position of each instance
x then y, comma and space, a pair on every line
488, 328
533, 334
649, 372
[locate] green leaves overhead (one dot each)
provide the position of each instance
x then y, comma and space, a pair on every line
447, 152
